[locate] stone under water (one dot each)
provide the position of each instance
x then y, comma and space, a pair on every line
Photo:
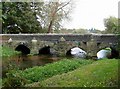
76, 52
103, 54
108, 52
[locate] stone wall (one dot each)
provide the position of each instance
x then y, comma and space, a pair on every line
62, 42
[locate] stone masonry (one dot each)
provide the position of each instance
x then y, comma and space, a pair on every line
91, 43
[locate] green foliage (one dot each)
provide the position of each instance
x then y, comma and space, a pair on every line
93, 30
111, 25
66, 73
18, 78
81, 31
33, 17
102, 73
19, 18
0, 17
0, 12
14, 80
40, 73
0, 83
6, 51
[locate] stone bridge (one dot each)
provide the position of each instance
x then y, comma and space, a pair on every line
91, 43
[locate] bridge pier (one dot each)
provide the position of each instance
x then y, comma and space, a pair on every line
61, 46
83, 45
92, 48
34, 49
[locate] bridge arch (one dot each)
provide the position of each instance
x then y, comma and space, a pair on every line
23, 48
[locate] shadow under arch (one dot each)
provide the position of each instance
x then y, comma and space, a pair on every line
45, 50
23, 49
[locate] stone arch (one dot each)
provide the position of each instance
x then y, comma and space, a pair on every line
41, 44
23, 48
44, 50
47, 50
16, 43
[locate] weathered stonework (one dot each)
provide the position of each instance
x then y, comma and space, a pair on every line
61, 42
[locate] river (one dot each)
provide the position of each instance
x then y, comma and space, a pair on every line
23, 62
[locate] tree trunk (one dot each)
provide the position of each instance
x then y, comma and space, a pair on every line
56, 8
50, 27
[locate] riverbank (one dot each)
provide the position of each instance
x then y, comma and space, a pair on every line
66, 73
103, 73
7, 51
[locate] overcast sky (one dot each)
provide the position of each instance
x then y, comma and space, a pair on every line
91, 13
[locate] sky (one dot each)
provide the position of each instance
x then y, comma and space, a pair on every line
89, 14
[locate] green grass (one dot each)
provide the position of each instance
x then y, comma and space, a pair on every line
7, 51
102, 73
40, 73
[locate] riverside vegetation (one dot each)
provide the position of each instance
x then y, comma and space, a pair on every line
64, 73
7, 51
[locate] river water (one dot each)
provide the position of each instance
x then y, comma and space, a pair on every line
23, 62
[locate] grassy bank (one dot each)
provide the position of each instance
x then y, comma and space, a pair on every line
7, 51
102, 73
40, 73
64, 73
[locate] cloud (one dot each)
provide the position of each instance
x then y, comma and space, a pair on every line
91, 13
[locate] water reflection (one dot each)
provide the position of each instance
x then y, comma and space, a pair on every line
23, 62
28, 61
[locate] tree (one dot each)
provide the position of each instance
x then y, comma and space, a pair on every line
34, 17
0, 18
111, 25
19, 18
53, 13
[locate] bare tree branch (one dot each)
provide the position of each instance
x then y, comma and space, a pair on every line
64, 5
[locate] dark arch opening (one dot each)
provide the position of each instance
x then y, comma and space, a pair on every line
114, 53
23, 49
68, 53
98, 44
45, 50
85, 43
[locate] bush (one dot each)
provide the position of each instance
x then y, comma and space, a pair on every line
14, 80
6, 51
40, 73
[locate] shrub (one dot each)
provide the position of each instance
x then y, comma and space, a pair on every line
14, 80
40, 73
6, 51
